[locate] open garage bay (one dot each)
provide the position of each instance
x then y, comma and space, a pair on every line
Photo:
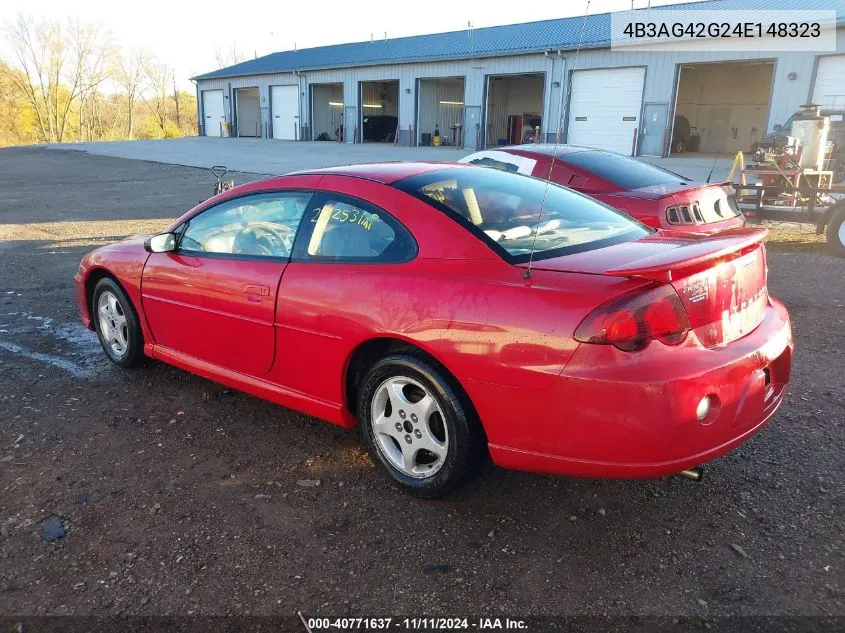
721, 108
181, 496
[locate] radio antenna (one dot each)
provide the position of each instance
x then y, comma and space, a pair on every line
710, 175
527, 274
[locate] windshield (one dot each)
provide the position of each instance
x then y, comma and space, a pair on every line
627, 173
504, 209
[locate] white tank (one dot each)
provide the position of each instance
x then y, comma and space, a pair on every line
811, 130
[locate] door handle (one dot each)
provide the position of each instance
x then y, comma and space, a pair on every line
253, 289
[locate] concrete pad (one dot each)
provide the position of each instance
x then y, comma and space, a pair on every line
260, 156
263, 156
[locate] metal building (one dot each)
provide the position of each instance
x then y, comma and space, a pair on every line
509, 84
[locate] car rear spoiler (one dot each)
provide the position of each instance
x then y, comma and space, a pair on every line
694, 255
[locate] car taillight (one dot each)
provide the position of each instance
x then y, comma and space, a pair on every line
633, 320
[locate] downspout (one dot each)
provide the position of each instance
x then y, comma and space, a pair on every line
564, 88
546, 123
200, 130
300, 76
233, 124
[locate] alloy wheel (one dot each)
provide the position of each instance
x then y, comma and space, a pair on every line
113, 326
409, 427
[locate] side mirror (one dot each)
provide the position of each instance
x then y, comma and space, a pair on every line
161, 243
778, 127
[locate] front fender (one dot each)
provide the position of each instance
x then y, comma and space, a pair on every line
123, 261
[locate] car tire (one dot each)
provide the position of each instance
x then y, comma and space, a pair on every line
116, 323
407, 406
836, 231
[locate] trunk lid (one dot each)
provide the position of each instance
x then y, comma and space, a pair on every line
687, 205
721, 280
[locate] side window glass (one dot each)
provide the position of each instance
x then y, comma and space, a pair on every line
261, 225
343, 229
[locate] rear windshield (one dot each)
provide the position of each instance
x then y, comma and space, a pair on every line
515, 213
626, 172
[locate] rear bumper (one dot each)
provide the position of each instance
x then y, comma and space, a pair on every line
618, 415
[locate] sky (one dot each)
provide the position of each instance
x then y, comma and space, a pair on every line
184, 34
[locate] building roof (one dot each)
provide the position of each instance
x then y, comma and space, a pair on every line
513, 39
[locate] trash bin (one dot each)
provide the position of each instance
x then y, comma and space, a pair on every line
425, 139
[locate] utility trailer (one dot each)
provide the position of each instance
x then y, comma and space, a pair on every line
776, 188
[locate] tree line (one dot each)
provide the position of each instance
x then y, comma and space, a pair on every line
68, 80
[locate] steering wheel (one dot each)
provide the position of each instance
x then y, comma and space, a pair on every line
263, 239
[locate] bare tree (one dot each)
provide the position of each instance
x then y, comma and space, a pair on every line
158, 77
176, 102
61, 63
228, 55
95, 70
131, 75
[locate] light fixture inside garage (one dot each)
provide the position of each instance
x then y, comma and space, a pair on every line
335, 103
452, 103
372, 105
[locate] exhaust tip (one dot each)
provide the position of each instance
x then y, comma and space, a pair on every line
693, 474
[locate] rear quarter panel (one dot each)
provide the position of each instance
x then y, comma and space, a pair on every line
488, 326
460, 302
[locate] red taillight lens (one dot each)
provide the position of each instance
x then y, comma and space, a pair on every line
631, 321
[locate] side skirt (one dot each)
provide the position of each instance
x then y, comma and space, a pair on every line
328, 411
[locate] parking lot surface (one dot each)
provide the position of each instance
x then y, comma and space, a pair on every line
180, 496
262, 156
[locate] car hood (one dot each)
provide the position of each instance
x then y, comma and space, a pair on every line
130, 241
130, 246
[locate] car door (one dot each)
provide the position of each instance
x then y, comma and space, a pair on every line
348, 254
213, 299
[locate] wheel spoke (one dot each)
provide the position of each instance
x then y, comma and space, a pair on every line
409, 455
430, 443
386, 426
122, 337
425, 408
397, 394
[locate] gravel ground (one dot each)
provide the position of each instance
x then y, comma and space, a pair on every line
183, 497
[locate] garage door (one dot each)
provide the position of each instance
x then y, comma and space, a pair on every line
285, 100
604, 108
829, 90
212, 110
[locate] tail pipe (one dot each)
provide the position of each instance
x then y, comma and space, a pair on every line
693, 474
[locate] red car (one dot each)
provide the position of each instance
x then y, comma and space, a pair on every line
454, 311
654, 196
